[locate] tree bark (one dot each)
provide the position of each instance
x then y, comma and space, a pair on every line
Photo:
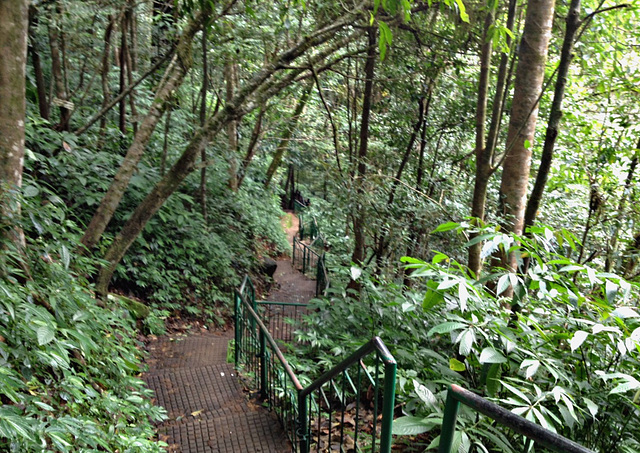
524, 114
283, 145
251, 149
174, 77
58, 76
41, 88
14, 29
232, 127
620, 215
104, 73
203, 120
555, 115
359, 217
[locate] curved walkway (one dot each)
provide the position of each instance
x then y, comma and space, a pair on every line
208, 410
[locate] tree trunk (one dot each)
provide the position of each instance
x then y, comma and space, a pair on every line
485, 150
524, 113
122, 108
232, 127
61, 99
286, 137
251, 149
203, 120
620, 215
104, 74
573, 22
174, 76
14, 29
43, 103
359, 217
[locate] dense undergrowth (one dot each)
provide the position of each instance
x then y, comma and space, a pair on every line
69, 368
562, 351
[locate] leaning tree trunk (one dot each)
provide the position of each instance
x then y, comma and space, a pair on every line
173, 79
232, 127
255, 92
14, 19
286, 137
524, 114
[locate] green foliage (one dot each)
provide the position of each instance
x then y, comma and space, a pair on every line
68, 368
565, 356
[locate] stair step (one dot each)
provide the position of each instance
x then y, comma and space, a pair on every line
205, 390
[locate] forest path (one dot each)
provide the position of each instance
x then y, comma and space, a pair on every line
208, 410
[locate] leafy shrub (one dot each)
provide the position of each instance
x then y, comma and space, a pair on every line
566, 358
68, 368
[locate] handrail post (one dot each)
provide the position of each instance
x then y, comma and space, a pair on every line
237, 334
388, 406
449, 422
304, 260
302, 423
263, 366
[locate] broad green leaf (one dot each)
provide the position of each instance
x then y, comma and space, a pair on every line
385, 32
45, 335
431, 299
456, 365
356, 272
425, 394
516, 392
578, 338
491, 355
446, 227
503, 284
466, 339
591, 406
411, 426
611, 290
626, 386
493, 382
531, 366
446, 327
66, 257
463, 11
624, 312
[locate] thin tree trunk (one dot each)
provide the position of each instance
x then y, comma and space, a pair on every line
61, 99
232, 127
251, 149
555, 115
122, 108
359, 217
129, 18
43, 103
104, 73
524, 114
14, 30
613, 241
165, 142
283, 145
173, 79
483, 157
203, 120
422, 105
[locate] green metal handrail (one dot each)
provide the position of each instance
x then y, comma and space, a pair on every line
307, 229
352, 388
520, 425
306, 257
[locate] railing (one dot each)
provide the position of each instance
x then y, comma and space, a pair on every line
349, 408
305, 259
298, 206
518, 424
308, 228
